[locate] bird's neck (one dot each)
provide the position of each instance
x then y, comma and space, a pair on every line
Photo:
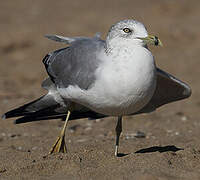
118, 45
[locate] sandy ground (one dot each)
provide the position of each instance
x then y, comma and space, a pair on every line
170, 147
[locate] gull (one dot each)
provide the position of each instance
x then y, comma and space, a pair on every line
95, 78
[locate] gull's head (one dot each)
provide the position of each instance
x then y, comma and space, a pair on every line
131, 31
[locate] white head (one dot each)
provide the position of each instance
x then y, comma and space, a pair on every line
131, 30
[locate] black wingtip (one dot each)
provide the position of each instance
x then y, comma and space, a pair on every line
21, 120
15, 122
3, 116
187, 92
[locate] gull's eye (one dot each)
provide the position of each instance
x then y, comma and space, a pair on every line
127, 30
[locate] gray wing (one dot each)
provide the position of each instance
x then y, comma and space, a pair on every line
68, 40
76, 64
168, 89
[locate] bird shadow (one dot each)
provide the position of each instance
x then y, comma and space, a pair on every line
122, 154
160, 149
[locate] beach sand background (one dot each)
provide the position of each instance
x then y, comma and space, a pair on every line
169, 148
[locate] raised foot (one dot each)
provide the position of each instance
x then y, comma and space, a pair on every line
59, 146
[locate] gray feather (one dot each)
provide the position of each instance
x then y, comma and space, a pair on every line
68, 40
70, 66
48, 84
168, 89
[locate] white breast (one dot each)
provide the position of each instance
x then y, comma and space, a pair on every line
125, 84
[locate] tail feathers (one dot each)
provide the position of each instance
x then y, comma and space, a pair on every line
87, 114
46, 108
35, 117
45, 104
48, 114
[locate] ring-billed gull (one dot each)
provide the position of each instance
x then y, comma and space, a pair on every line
95, 78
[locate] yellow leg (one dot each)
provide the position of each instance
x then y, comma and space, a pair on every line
59, 145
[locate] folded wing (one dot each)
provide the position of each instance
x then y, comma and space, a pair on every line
76, 64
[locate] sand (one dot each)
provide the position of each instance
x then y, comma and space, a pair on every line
169, 145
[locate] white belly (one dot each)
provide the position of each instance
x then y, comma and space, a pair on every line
124, 86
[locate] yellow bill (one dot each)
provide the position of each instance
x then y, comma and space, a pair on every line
153, 40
